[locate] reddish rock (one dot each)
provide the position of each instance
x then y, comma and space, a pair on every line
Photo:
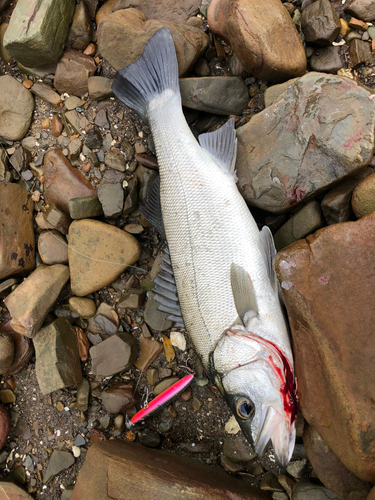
371, 495
73, 72
331, 472
56, 126
150, 349
13, 492
327, 282
62, 181
83, 343
113, 467
17, 242
262, 35
23, 352
357, 24
4, 425
164, 10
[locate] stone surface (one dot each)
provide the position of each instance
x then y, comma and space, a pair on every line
116, 161
4, 54
59, 461
275, 91
165, 10
46, 93
304, 222
332, 327
114, 355
304, 490
262, 35
80, 33
363, 9
100, 88
360, 53
336, 205
16, 109
327, 59
320, 129
331, 472
154, 318
111, 197
57, 357
6, 352
98, 254
83, 306
363, 199
4, 425
24, 351
113, 467
62, 181
320, 23
31, 301
53, 248
13, 492
123, 34
73, 72
17, 241
132, 299
237, 449
56, 126
119, 397
150, 350
37, 31
57, 219
85, 207
222, 95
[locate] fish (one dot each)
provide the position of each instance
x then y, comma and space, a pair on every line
216, 276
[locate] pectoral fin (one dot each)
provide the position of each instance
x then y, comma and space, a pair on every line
243, 291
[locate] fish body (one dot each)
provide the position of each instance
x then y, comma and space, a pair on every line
222, 263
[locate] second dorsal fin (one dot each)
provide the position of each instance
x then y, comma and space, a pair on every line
222, 145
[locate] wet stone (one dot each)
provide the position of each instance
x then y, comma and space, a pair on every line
53, 248
237, 449
114, 355
46, 93
85, 207
154, 318
164, 384
320, 23
111, 197
101, 119
327, 60
59, 461
100, 88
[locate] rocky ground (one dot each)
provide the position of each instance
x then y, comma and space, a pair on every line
82, 345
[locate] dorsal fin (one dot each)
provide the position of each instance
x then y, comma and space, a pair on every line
150, 208
268, 250
222, 145
243, 291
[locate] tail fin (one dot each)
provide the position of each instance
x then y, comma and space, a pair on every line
155, 71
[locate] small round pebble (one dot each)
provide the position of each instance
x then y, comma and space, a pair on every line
83, 306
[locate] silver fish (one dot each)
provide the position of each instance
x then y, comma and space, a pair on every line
222, 263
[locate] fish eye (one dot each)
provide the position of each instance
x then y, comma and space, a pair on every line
245, 408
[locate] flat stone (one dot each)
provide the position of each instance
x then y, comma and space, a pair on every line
80, 33
165, 10
31, 301
101, 119
237, 449
363, 199
78, 121
85, 207
320, 23
327, 59
74, 149
114, 355
304, 490
111, 197
363, 9
57, 357
83, 394
275, 91
132, 299
360, 53
222, 95
20, 159
331, 472
150, 350
119, 397
16, 109
42, 72
73, 72
59, 461
123, 34
57, 219
13, 492
62, 181
53, 248
73, 102
100, 88
262, 35
357, 24
336, 206
304, 222
321, 130
327, 290
270, 482
17, 249
83, 306
37, 31
154, 318
46, 93
116, 161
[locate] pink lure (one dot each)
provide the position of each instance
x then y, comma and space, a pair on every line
162, 399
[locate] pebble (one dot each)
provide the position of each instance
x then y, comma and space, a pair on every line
360, 52
119, 422
57, 218
16, 109
114, 355
150, 438
297, 469
83, 393
363, 197
111, 197
230, 466
164, 384
59, 461
4, 54
7, 396
155, 319
53, 248
327, 59
46, 93
83, 306
232, 426
6, 352
81, 31
178, 340
4, 425
84, 207
149, 351
320, 23
116, 161
305, 490
101, 119
119, 397
73, 72
132, 299
197, 404
270, 482
237, 449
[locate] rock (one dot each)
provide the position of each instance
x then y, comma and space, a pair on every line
164, 384
178, 340
6, 353
320, 23
85, 207
31, 301
273, 92
311, 132
46, 93
62, 181
152, 376
92, 6
116, 161
74, 149
356, 24
83, 306
150, 350
94, 139
4, 54
114, 355
59, 461
90, 50
331, 472
150, 438
332, 325
80, 33
116, 466
166, 10
53, 248
154, 318
83, 394
327, 59
100, 88
73, 102
20, 159
101, 119
57, 219
336, 206
360, 53
17, 249
73, 72
37, 31
111, 197
371, 495
270, 482
287, 483
119, 397
24, 351
56, 126
297, 469
304, 490
363, 9
57, 357
16, 109
78, 121
221, 95
123, 34
13, 492
132, 299
304, 222
237, 449
269, 46
363, 199
4, 425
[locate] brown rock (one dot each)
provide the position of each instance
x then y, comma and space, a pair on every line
4, 425
56, 126
90, 50
83, 343
41, 222
114, 355
331, 472
150, 350
16, 109
363, 199
31, 301
119, 397
356, 24
83, 306
73, 72
105, 10
344, 27
98, 254
80, 33
23, 352
5, 56
17, 249
132, 299
360, 52
262, 35
6, 352
13, 492
92, 6
100, 88
328, 293
53, 248
320, 23
57, 219
371, 495
164, 10
62, 181
112, 467
123, 34
363, 9
46, 93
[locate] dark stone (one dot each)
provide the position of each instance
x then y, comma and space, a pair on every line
320, 23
